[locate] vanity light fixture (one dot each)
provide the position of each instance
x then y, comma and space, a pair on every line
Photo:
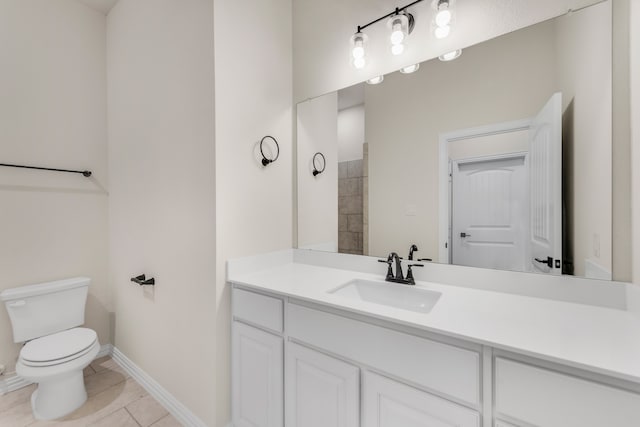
410, 69
450, 56
400, 23
443, 17
375, 80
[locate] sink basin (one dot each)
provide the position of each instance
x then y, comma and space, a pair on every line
390, 294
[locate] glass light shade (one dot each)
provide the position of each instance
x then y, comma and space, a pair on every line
358, 51
375, 80
397, 49
410, 69
359, 63
450, 56
442, 32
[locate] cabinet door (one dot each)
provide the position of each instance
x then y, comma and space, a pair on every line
258, 377
388, 403
542, 397
321, 391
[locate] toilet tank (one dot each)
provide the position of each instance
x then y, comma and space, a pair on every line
46, 308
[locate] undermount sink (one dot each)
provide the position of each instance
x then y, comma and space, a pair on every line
389, 294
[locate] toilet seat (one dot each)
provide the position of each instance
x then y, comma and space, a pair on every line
58, 348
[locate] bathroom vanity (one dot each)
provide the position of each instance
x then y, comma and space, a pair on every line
318, 344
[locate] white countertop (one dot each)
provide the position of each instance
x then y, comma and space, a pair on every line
598, 339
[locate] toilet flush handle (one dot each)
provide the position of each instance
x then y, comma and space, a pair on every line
20, 303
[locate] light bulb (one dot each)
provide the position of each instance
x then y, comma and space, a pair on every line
443, 17
375, 80
359, 63
410, 69
358, 51
397, 35
442, 32
397, 49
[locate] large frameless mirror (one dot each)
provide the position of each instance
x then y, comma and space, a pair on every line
501, 158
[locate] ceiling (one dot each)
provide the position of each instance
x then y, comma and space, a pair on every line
103, 6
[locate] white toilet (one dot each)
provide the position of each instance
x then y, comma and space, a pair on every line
46, 317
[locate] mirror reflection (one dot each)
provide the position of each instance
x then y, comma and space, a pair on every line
500, 158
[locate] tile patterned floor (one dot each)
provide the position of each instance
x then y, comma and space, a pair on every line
115, 400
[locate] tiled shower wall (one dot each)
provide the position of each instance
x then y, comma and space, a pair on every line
350, 207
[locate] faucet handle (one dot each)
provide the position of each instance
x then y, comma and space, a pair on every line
410, 278
389, 263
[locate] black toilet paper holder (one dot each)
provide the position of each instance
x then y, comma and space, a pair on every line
143, 281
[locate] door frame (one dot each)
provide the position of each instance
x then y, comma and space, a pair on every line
444, 174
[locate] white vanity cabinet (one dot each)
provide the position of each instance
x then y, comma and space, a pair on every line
257, 360
300, 364
321, 391
389, 403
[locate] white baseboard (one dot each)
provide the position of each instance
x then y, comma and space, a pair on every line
166, 399
14, 382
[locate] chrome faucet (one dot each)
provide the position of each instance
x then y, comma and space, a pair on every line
399, 276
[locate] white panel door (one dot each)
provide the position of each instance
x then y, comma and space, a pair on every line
258, 377
388, 403
490, 207
545, 148
321, 391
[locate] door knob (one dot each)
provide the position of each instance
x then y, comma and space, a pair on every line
548, 261
463, 235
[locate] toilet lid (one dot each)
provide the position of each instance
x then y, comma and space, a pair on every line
57, 346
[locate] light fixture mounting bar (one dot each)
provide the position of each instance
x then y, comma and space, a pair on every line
388, 15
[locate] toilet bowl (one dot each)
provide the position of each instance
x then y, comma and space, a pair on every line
47, 317
56, 363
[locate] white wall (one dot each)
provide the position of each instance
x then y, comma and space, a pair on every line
318, 131
253, 99
162, 192
621, 147
323, 28
635, 135
583, 40
490, 83
53, 114
350, 133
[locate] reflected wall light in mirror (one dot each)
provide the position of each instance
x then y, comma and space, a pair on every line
375, 80
410, 69
450, 56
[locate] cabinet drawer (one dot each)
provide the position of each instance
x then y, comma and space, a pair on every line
388, 403
258, 309
440, 367
546, 398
